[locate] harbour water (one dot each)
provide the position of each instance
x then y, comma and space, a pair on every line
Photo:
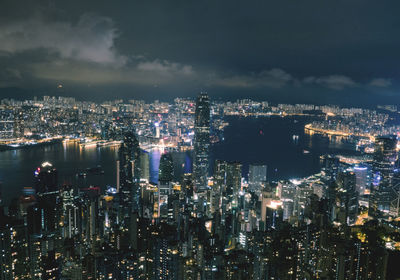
277, 142
280, 143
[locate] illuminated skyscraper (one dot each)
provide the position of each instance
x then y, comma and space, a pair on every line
219, 198
157, 125
233, 178
347, 197
257, 176
129, 193
201, 141
166, 175
18, 124
129, 160
385, 156
145, 166
361, 178
331, 167
5, 253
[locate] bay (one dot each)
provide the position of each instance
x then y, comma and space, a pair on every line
280, 143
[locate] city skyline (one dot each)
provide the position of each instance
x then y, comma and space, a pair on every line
184, 190
207, 140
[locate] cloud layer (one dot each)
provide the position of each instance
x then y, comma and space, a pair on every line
380, 82
274, 78
91, 39
337, 82
85, 52
278, 78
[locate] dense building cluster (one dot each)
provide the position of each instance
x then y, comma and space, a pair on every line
44, 120
342, 223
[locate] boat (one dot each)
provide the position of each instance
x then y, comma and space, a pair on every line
108, 143
82, 174
88, 144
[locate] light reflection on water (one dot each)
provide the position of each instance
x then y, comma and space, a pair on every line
17, 166
243, 142
154, 158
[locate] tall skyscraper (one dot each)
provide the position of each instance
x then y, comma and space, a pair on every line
233, 178
347, 197
201, 141
5, 253
331, 167
129, 160
18, 129
157, 126
219, 198
361, 179
382, 194
385, 156
166, 176
257, 176
145, 166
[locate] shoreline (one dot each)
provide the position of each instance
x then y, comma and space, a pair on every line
4, 148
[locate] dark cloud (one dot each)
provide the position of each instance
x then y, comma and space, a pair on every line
90, 39
84, 53
184, 46
142, 73
380, 82
337, 82
274, 78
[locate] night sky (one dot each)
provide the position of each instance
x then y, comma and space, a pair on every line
343, 52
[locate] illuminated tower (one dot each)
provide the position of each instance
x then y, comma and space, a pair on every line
347, 197
18, 129
361, 178
201, 141
5, 253
233, 178
385, 156
129, 170
257, 176
166, 175
145, 166
157, 125
218, 192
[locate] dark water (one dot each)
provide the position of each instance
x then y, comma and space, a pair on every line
17, 166
250, 141
269, 140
